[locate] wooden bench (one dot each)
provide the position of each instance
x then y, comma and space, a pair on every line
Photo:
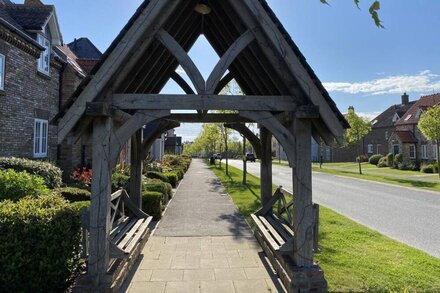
274, 232
126, 239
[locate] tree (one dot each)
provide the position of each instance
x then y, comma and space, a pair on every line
359, 128
429, 125
373, 10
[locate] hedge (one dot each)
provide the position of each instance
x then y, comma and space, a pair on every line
74, 194
78, 205
152, 204
39, 244
16, 185
172, 178
51, 174
119, 181
157, 175
158, 186
374, 159
430, 168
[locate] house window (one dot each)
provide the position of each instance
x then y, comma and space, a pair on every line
424, 151
2, 71
379, 149
40, 138
370, 148
412, 151
386, 134
396, 149
44, 61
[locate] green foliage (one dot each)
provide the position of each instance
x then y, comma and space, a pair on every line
374, 159
429, 123
408, 166
390, 160
158, 186
382, 162
152, 204
51, 174
177, 162
39, 244
373, 10
78, 205
74, 194
172, 178
359, 127
398, 158
119, 180
430, 168
16, 185
157, 175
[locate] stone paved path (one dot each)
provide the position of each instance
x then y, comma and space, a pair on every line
202, 245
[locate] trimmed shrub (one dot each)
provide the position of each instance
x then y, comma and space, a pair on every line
390, 160
74, 194
408, 166
427, 169
40, 244
157, 175
158, 186
172, 178
78, 205
119, 181
16, 185
152, 204
51, 174
374, 159
398, 158
382, 162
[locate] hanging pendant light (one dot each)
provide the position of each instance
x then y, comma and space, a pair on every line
203, 8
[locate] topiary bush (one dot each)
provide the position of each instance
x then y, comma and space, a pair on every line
152, 204
119, 180
158, 186
51, 174
172, 178
74, 194
16, 185
39, 244
428, 169
382, 162
157, 175
390, 160
398, 158
78, 205
374, 159
406, 166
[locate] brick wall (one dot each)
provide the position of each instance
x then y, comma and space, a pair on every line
27, 95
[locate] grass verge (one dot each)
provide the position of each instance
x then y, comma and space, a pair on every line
354, 258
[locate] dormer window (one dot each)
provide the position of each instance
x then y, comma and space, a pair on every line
419, 113
44, 61
408, 117
396, 118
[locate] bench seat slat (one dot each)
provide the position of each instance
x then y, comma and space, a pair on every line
265, 233
129, 234
280, 229
278, 238
118, 236
141, 231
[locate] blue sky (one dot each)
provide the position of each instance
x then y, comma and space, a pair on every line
358, 63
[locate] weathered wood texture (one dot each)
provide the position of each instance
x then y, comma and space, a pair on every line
136, 168
208, 118
265, 165
249, 135
100, 200
302, 200
151, 137
203, 102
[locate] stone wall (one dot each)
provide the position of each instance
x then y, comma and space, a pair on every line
27, 95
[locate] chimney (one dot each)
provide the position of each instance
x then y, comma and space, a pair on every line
350, 109
405, 99
33, 3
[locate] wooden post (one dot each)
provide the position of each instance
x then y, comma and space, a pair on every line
266, 165
100, 200
302, 195
136, 169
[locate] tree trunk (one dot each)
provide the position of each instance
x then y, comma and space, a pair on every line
226, 149
438, 157
244, 161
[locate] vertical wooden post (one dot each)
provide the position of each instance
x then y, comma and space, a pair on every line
266, 165
136, 168
302, 195
100, 200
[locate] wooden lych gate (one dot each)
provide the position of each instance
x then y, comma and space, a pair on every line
122, 95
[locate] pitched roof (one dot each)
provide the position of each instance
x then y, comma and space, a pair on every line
406, 136
69, 57
223, 26
85, 49
423, 103
30, 17
385, 119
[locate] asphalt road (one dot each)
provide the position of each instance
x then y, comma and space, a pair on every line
408, 215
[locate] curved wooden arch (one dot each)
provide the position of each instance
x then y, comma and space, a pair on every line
182, 83
224, 82
249, 135
283, 135
162, 126
126, 131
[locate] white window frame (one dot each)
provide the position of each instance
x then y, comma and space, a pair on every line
41, 135
44, 60
414, 152
370, 148
424, 151
2, 71
378, 148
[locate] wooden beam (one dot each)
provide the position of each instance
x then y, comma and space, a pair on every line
98, 109
151, 137
135, 186
249, 135
155, 13
222, 66
203, 102
265, 165
281, 133
182, 83
224, 82
184, 60
208, 118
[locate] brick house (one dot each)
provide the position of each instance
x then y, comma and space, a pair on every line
382, 127
407, 138
29, 79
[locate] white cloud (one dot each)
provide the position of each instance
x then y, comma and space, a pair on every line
425, 81
369, 115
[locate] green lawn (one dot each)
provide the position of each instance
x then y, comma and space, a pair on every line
354, 258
